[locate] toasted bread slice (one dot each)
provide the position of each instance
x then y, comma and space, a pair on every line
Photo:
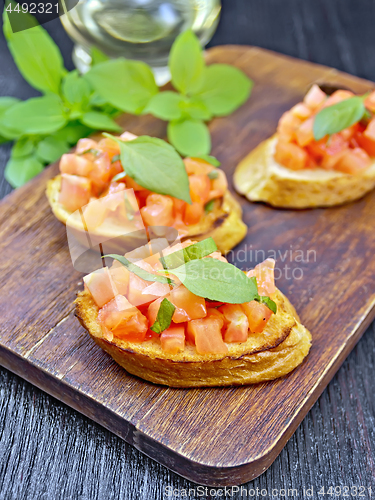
224, 223
276, 351
260, 178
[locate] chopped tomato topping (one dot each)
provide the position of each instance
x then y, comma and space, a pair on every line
265, 275
188, 306
291, 155
173, 339
123, 320
206, 334
353, 161
304, 133
138, 294
101, 286
257, 315
369, 133
199, 188
109, 146
83, 145
193, 213
315, 97
197, 166
75, 192
120, 277
218, 185
158, 210
75, 165
338, 96
236, 323
301, 111
370, 102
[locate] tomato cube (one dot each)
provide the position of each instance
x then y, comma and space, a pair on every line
257, 314
206, 334
101, 286
75, 192
173, 339
236, 323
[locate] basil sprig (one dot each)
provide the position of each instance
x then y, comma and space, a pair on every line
138, 271
155, 165
220, 281
192, 252
338, 117
164, 316
73, 106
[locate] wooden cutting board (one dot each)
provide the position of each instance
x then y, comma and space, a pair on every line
212, 436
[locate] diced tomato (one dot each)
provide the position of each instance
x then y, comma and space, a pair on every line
75, 192
338, 96
123, 320
173, 339
319, 150
257, 314
265, 275
109, 146
128, 136
136, 295
206, 334
370, 102
75, 165
353, 161
291, 156
304, 133
301, 111
236, 323
188, 306
158, 210
100, 173
315, 97
369, 133
218, 185
101, 286
288, 124
131, 184
360, 140
193, 213
199, 188
120, 276
197, 166
84, 145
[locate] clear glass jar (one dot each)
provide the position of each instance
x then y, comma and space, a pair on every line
137, 29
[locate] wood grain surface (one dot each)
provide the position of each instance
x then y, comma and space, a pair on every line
212, 436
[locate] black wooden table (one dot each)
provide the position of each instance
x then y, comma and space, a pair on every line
48, 450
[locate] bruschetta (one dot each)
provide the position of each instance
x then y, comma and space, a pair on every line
294, 169
187, 332
93, 170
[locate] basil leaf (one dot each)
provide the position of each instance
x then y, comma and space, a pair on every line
196, 109
192, 252
224, 89
23, 147
210, 159
190, 137
165, 105
209, 206
39, 115
6, 131
217, 280
155, 165
141, 273
186, 63
97, 56
76, 89
20, 170
338, 117
269, 303
100, 121
36, 55
127, 85
164, 316
51, 149
72, 132
115, 158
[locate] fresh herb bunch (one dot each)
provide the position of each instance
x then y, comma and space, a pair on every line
73, 106
205, 277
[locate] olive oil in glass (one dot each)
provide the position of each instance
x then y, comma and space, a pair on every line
137, 29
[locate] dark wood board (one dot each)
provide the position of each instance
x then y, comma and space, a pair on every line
211, 436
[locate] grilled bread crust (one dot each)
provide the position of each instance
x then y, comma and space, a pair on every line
276, 351
260, 178
224, 223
